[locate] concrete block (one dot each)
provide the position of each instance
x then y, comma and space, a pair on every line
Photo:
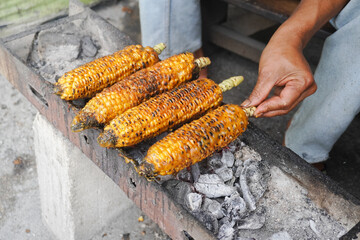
77, 198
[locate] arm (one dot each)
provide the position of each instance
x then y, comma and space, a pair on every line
282, 64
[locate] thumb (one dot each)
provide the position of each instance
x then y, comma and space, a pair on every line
260, 92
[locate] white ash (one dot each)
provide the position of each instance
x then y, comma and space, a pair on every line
234, 207
289, 209
246, 193
249, 153
89, 49
312, 225
257, 176
208, 220
213, 207
226, 231
193, 201
225, 173
228, 158
58, 50
212, 186
280, 207
238, 171
280, 236
255, 220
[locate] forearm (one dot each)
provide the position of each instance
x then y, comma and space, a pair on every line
306, 20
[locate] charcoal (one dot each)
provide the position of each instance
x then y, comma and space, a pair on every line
258, 176
185, 175
88, 47
177, 189
238, 157
249, 153
224, 220
247, 195
238, 171
228, 158
280, 236
214, 161
212, 186
312, 225
226, 232
234, 145
215, 209
193, 201
225, 173
231, 182
206, 203
255, 220
55, 46
208, 220
234, 207
195, 172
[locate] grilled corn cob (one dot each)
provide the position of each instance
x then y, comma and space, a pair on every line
137, 88
164, 112
195, 141
92, 77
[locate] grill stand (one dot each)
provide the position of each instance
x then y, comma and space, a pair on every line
150, 197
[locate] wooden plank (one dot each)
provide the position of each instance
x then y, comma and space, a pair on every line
236, 42
277, 10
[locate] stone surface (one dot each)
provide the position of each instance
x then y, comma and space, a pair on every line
77, 198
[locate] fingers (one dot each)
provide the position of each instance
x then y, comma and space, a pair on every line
260, 92
282, 104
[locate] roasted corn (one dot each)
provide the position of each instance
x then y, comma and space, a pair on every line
137, 88
195, 141
86, 80
165, 111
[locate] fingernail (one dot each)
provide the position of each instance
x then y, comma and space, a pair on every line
258, 115
246, 103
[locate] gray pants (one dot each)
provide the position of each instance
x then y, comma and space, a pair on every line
322, 117
177, 23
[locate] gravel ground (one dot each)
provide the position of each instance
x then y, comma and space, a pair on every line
20, 216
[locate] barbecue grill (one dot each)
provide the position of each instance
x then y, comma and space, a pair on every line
34, 80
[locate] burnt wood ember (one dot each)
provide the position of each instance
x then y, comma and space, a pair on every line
288, 193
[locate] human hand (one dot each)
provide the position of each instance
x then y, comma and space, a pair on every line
284, 68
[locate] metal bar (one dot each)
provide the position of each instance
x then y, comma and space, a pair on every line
236, 42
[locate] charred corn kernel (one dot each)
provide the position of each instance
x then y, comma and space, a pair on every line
194, 142
163, 112
137, 88
92, 77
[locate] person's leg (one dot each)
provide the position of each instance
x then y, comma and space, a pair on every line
177, 23
324, 116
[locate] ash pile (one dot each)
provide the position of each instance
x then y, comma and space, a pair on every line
237, 195
58, 50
